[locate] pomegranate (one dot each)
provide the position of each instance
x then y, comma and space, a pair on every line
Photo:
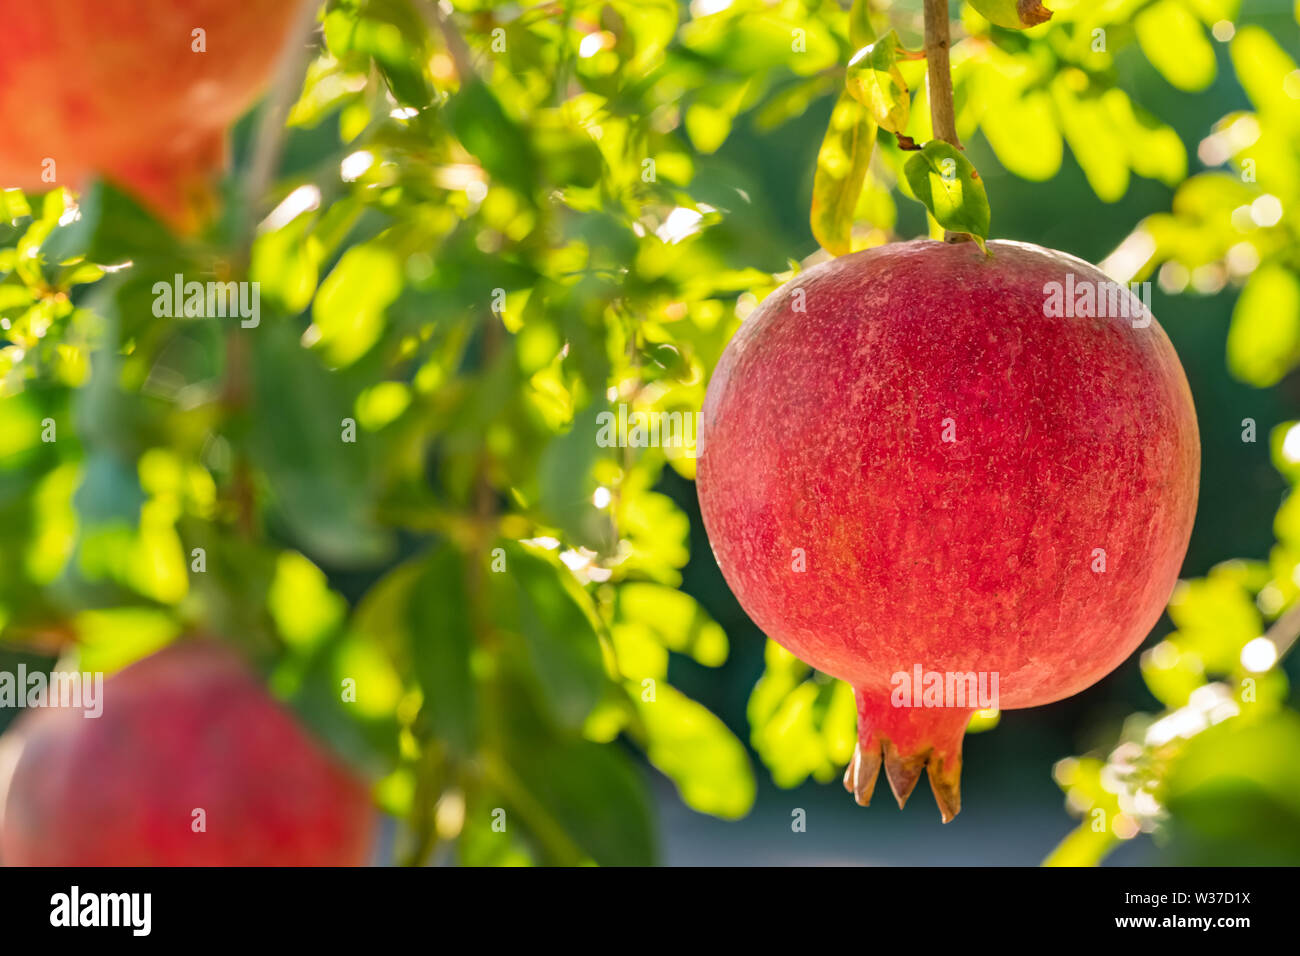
921, 461
183, 731
118, 88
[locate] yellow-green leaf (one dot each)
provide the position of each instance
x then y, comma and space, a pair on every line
675, 619
1023, 132
1013, 14
861, 32
1264, 338
1175, 43
1263, 66
842, 164
349, 309
695, 749
874, 80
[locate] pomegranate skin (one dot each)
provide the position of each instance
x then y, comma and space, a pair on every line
113, 87
188, 728
1071, 441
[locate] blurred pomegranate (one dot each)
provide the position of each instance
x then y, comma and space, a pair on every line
188, 729
119, 88
912, 463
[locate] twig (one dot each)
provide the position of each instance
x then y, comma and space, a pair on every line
939, 75
457, 48
269, 141
1285, 630
267, 145
939, 72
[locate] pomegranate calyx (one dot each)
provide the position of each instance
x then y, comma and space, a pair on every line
903, 772
907, 741
860, 775
945, 782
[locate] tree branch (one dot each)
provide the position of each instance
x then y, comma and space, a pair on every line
1285, 631
269, 140
457, 48
939, 72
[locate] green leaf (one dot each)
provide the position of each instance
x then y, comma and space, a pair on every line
382, 616
483, 128
305, 610
1262, 67
565, 476
285, 263
365, 729
1170, 674
1096, 145
946, 182
697, 752
1023, 132
552, 613
1234, 794
1083, 846
1264, 338
842, 164
1175, 43
676, 620
791, 102
1012, 14
801, 726
707, 126
321, 486
349, 309
580, 800
111, 228
1154, 149
874, 80
441, 632
861, 32
1215, 617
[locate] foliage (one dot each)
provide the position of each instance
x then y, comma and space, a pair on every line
487, 230
1190, 771
1024, 91
486, 247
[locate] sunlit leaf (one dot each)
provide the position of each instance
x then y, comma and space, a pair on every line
874, 80
1175, 43
349, 309
861, 31
1264, 338
946, 182
1013, 14
697, 751
1023, 131
842, 164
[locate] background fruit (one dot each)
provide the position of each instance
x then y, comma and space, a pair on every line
185, 729
115, 87
823, 434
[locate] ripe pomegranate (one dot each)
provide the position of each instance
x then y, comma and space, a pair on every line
184, 730
911, 462
115, 87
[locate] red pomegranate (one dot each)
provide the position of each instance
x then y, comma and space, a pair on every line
918, 460
120, 88
186, 730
